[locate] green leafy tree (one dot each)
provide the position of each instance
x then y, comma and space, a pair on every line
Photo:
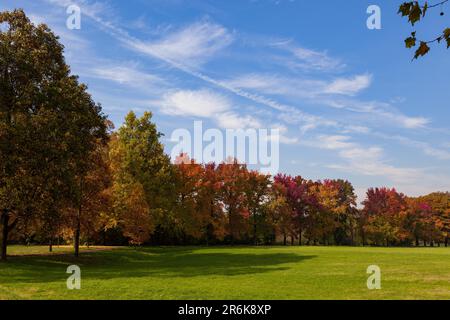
48, 121
142, 172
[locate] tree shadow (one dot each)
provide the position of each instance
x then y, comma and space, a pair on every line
157, 262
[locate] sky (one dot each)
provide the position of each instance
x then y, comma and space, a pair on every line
349, 101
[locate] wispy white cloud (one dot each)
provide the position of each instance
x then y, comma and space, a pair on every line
232, 120
355, 129
208, 104
192, 45
199, 103
349, 86
284, 136
205, 103
129, 74
336, 94
335, 142
368, 161
306, 58
295, 87
378, 111
426, 148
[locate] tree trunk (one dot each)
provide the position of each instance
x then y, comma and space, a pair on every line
446, 241
77, 238
4, 220
300, 238
77, 233
255, 240
284, 239
230, 223
76, 242
417, 241
50, 245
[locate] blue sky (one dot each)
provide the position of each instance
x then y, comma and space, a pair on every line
349, 101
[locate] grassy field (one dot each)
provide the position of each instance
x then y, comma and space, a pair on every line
227, 273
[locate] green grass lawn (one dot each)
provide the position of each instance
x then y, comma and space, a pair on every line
227, 273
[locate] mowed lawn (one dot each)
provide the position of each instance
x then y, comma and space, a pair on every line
227, 273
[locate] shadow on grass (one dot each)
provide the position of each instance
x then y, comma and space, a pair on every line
147, 262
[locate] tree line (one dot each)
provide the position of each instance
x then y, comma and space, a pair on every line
66, 176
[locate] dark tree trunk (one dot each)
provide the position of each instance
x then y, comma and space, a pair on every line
50, 245
4, 220
77, 232
230, 223
417, 241
77, 238
446, 241
76, 242
255, 239
284, 239
300, 238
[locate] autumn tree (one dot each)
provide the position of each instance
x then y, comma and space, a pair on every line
192, 220
385, 209
256, 189
324, 220
232, 176
210, 205
95, 199
143, 181
440, 215
418, 220
279, 213
343, 210
47, 119
297, 192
